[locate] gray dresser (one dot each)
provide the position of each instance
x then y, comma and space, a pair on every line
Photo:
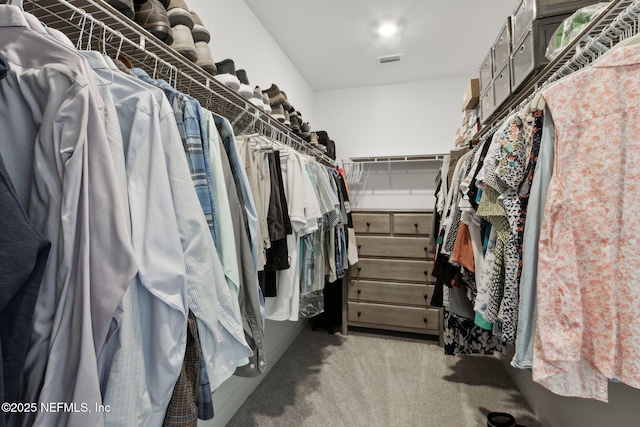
391, 285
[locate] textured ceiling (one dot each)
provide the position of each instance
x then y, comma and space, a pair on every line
334, 45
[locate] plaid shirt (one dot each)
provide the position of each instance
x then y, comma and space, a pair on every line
189, 126
182, 410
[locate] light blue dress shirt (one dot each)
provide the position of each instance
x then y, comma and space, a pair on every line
223, 343
527, 313
156, 237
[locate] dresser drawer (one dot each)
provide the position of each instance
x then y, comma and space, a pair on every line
393, 247
416, 318
414, 224
372, 223
388, 269
390, 293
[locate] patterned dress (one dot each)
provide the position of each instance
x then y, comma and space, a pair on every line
588, 325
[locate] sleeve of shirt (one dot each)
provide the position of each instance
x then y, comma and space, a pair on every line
161, 258
312, 206
295, 193
75, 307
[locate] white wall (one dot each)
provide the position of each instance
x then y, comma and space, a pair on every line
411, 118
395, 185
236, 33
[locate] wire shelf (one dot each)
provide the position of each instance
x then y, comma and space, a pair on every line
616, 23
95, 25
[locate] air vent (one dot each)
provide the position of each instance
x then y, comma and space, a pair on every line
390, 58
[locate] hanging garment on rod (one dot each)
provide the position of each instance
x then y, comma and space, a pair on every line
574, 352
135, 163
584, 252
67, 337
23, 256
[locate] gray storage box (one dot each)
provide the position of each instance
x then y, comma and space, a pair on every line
487, 106
502, 86
530, 10
502, 47
528, 57
486, 71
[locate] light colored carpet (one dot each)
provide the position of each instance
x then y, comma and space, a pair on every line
373, 380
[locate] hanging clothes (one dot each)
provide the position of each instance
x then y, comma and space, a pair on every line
587, 295
23, 256
61, 362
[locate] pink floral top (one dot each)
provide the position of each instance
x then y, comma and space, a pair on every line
588, 298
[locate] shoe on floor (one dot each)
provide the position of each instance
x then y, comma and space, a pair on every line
500, 419
183, 42
227, 74
178, 13
205, 59
275, 95
123, 6
245, 89
199, 32
152, 16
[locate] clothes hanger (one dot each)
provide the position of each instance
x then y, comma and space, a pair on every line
18, 3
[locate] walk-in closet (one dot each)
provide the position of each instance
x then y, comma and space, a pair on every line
295, 213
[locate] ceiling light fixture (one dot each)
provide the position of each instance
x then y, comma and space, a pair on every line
387, 30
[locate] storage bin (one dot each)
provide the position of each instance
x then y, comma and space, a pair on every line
502, 86
487, 106
486, 71
529, 57
530, 10
502, 47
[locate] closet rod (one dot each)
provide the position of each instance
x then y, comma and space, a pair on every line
600, 35
392, 159
92, 19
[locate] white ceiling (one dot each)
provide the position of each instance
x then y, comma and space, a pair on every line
334, 45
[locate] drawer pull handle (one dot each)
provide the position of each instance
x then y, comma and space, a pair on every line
359, 268
426, 249
426, 272
425, 296
425, 319
521, 48
360, 291
359, 313
359, 246
415, 224
368, 224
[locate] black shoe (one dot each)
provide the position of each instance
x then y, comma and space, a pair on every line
226, 66
500, 419
152, 16
123, 6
